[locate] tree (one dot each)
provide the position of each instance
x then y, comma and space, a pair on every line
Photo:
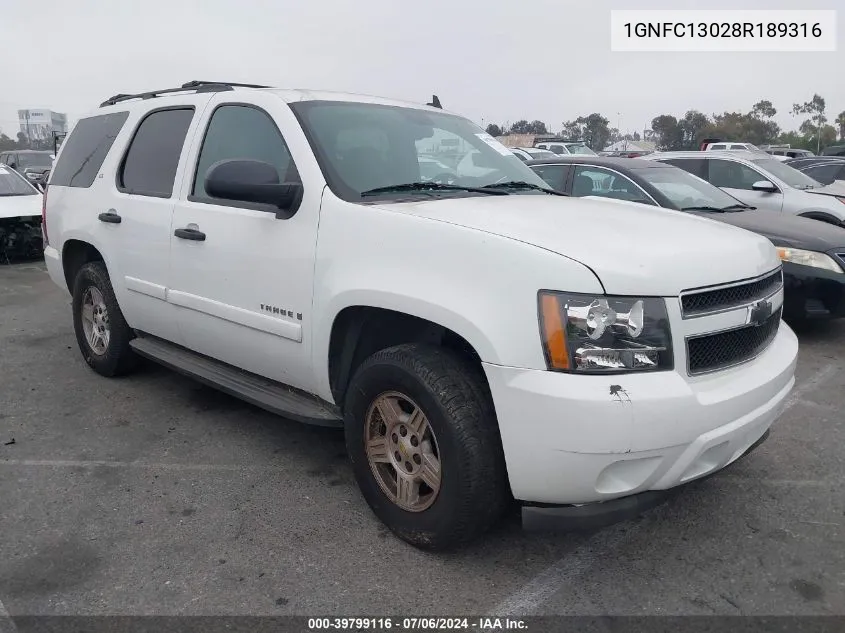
667, 133
524, 127
594, 130
494, 130
693, 128
840, 121
573, 130
23, 141
815, 107
763, 110
6, 143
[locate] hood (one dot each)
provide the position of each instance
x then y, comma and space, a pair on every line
836, 188
632, 248
785, 230
17, 206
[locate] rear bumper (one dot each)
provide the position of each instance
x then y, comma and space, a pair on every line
591, 516
812, 293
53, 261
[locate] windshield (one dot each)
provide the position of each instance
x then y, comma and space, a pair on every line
540, 153
35, 160
787, 174
580, 148
11, 184
685, 190
365, 146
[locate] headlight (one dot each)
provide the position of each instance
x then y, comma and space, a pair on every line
601, 334
809, 258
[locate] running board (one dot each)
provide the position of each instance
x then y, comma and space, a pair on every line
262, 392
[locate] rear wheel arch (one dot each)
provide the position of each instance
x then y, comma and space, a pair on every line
75, 254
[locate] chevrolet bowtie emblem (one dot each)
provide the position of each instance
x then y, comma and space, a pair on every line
759, 312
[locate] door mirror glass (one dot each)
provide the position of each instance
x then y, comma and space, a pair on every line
764, 185
252, 181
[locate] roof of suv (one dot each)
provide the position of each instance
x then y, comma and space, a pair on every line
163, 96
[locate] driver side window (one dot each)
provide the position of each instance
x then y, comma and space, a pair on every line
244, 132
733, 175
595, 181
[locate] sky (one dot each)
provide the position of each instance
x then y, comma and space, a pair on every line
493, 61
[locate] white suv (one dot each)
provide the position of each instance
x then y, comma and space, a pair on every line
479, 341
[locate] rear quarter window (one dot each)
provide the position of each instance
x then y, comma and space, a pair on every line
85, 150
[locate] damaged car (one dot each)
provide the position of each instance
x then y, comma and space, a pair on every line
20, 218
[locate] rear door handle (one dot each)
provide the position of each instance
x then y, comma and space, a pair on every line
190, 234
110, 216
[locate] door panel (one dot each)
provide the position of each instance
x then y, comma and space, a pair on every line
142, 196
243, 294
736, 179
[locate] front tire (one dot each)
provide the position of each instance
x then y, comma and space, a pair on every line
422, 435
101, 331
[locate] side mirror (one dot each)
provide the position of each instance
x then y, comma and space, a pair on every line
248, 180
764, 185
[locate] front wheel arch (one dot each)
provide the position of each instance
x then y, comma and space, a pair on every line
821, 216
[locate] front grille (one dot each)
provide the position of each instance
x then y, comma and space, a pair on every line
712, 352
726, 298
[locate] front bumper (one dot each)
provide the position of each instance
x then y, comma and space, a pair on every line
572, 439
812, 293
591, 516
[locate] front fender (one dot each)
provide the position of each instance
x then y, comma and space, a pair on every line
479, 285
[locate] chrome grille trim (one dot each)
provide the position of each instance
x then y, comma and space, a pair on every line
740, 338
693, 302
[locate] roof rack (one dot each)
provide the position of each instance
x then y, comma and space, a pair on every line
196, 86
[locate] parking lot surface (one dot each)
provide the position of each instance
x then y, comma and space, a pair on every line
152, 494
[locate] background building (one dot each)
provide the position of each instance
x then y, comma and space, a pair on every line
39, 125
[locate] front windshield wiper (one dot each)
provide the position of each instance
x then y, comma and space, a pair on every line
521, 184
703, 208
428, 186
728, 209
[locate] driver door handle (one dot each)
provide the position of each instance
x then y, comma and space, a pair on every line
190, 234
110, 217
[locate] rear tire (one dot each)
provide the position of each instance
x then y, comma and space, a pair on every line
426, 387
101, 331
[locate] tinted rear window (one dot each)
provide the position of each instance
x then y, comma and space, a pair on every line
85, 150
149, 167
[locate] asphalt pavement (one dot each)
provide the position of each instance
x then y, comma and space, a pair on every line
154, 495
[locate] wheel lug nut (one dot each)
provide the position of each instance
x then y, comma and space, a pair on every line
408, 466
403, 431
417, 459
397, 456
394, 438
414, 441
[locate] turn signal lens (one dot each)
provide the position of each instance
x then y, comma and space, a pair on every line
553, 332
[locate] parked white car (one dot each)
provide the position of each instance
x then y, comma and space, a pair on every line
478, 342
532, 153
566, 147
20, 217
763, 182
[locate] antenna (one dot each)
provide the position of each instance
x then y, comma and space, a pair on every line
435, 102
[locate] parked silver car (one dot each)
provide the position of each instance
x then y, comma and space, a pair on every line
763, 182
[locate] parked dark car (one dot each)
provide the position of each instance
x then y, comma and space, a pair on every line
834, 150
813, 253
825, 169
30, 163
